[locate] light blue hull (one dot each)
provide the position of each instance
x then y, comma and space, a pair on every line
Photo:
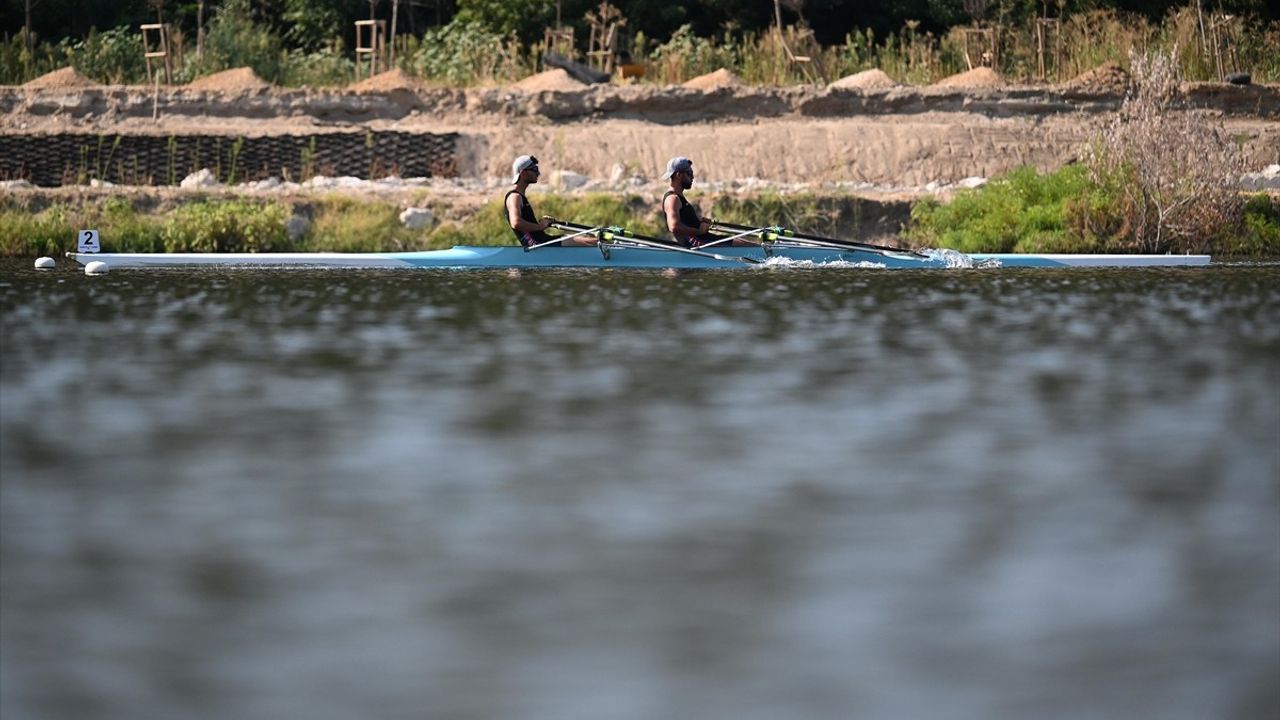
626, 257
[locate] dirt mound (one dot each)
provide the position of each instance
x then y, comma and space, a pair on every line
235, 80
66, 77
721, 78
979, 77
1106, 78
873, 79
395, 79
556, 80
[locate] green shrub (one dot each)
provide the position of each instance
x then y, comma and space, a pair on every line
226, 226
322, 68
342, 224
234, 40
466, 52
23, 234
1260, 236
1021, 212
111, 56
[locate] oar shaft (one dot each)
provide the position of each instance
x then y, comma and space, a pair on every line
655, 243
789, 233
731, 238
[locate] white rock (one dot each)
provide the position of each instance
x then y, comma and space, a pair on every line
97, 267
1266, 179
44, 263
95, 182
270, 183
933, 186
972, 182
417, 218
296, 226
199, 179
617, 173
568, 179
14, 184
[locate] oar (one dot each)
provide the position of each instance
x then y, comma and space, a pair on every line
731, 238
531, 248
779, 231
608, 234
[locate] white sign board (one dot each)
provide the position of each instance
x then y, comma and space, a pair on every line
88, 241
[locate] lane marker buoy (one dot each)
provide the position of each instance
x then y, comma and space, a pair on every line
97, 267
44, 263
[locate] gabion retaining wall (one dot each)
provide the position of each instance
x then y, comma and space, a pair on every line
77, 158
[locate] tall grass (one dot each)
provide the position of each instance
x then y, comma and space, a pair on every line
1025, 212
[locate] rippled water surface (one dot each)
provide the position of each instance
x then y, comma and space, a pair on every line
749, 494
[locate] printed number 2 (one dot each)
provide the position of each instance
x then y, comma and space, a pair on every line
88, 241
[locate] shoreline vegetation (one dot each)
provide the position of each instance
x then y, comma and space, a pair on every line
1023, 212
484, 44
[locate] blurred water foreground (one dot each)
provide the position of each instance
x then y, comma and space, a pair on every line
755, 494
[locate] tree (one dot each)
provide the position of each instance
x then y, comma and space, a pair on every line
526, 18
314, 23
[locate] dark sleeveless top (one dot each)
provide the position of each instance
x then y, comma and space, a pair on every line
687, 217
537, 237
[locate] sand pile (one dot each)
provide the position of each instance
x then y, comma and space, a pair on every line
390, 80
555, 80
721, 78
979, 77
66, 77
1106, 78
873, 79
234, 80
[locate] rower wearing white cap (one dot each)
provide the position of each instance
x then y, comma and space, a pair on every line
529, 230
682, 220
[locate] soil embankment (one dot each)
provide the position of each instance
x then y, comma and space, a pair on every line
867, 132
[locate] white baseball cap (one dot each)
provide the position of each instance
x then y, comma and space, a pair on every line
677, 164
522, 163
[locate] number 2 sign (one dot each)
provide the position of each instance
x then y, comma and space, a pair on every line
88, 241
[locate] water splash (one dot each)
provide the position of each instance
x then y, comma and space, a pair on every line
786, 262
954, 259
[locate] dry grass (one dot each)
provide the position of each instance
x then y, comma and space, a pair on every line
1175, 171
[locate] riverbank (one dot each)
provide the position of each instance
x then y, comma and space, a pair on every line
43, 221
897, 137
36, 222
329, 170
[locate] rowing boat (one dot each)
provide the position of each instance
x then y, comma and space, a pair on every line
624, 255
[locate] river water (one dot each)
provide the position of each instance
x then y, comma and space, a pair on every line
767, 493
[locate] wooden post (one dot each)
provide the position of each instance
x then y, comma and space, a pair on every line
376, 30
162, 51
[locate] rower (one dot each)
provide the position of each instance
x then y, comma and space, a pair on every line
689, 230
528, 229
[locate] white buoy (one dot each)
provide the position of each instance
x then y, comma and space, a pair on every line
97, 267
44, 263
